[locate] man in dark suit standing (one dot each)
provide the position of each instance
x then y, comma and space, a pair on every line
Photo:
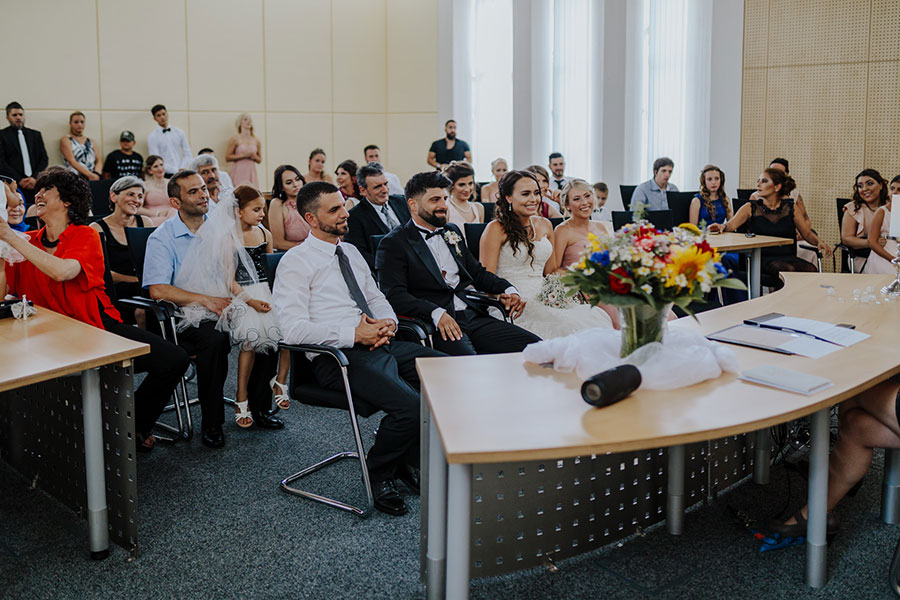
376, 214
22, 151
425, 268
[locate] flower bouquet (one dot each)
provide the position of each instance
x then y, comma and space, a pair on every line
644, 271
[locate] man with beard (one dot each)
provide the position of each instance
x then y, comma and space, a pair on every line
207, 167
324, 294
448, 148
22, 151
425, 269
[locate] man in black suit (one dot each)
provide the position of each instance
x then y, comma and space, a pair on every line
424, 269
376, 214
18, 143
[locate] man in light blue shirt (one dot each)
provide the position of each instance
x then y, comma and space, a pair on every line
651, 195
167, 248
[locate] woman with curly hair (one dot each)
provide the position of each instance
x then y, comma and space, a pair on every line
64, 271
346, 182
518, 246
883, 246
870, 192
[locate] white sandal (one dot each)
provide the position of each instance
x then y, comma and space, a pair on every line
282, 400
242, 413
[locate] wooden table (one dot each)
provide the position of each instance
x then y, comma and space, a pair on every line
739, 242
487, 409
49, 345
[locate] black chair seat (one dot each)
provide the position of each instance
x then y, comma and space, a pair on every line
627, 191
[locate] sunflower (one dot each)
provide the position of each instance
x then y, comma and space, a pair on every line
690, 227
687, 262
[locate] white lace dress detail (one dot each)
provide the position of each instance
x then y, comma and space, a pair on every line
538, 318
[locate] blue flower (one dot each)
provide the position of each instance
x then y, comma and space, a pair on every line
721, 270
601, 258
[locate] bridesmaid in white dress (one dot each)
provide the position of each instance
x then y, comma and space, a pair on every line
517, 245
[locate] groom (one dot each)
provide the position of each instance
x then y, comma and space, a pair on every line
424, 269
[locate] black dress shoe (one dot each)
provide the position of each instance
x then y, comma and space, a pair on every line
213, 437
387, 498
410, 476
832, 525
267, 421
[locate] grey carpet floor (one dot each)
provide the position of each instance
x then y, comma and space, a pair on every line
213, 524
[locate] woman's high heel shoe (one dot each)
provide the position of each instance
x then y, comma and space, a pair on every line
282, 400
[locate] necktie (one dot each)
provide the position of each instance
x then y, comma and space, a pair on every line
350, 280
391, 221
559, 183
26, 160
167, 130
431, 234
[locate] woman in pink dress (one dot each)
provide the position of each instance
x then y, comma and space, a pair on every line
244, 151
156, 194
287, 226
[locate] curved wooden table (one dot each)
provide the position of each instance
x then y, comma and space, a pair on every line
487, 409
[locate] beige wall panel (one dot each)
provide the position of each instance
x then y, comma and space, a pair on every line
883, 118
213, 129
56, 44
298, 55
756, 33
812, 124
818, 31
137, 122
291, 137
412, 71
225, 55
359, 62
409, 137
142, 54
53, 124
885, 44
753, 127
352, 133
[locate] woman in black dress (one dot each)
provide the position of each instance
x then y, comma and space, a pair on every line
773, 214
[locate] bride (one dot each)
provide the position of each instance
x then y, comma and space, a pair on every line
517, 246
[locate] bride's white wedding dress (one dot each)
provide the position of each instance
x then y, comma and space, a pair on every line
546, 321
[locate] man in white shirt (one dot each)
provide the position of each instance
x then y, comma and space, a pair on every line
373, 154
425, 270
557, 166
208, 168
169, 142
324, 294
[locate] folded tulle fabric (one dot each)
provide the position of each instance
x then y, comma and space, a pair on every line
682, 359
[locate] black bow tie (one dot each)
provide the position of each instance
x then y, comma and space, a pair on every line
431, 234
167, 130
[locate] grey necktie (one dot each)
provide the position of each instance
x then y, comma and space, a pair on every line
350, 280
391, 221
26, 160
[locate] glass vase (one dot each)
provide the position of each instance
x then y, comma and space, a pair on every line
641, 324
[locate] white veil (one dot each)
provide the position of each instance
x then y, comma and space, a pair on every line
211, 262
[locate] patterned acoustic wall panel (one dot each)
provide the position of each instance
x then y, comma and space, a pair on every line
825, 96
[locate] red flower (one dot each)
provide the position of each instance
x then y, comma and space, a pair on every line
704, 246
617, 285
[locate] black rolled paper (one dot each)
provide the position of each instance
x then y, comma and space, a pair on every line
611, 386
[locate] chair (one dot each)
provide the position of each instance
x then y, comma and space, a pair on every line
627, 191
165, 313
847, 253
488, 211
744, 194
100, 197
680, 205
661, 219
556, 221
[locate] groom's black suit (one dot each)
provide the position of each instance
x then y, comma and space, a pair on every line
412, 282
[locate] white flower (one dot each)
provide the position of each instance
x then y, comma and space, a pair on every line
452, 238
589, 271
647, 288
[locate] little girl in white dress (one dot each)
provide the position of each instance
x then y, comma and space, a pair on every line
227, 258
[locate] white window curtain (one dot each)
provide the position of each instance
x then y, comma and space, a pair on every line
482, 80
669, 88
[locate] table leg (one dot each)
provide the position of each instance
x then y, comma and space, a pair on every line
890, 489
95, 471
816, 544
459, 498
675, 493
755, 266
762, 459
436, 512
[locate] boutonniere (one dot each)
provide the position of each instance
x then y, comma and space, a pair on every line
452, 238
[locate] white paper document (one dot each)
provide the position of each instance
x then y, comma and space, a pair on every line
785, 379
809, 347
842, 336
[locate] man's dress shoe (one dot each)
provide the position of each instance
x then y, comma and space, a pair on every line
387, 498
